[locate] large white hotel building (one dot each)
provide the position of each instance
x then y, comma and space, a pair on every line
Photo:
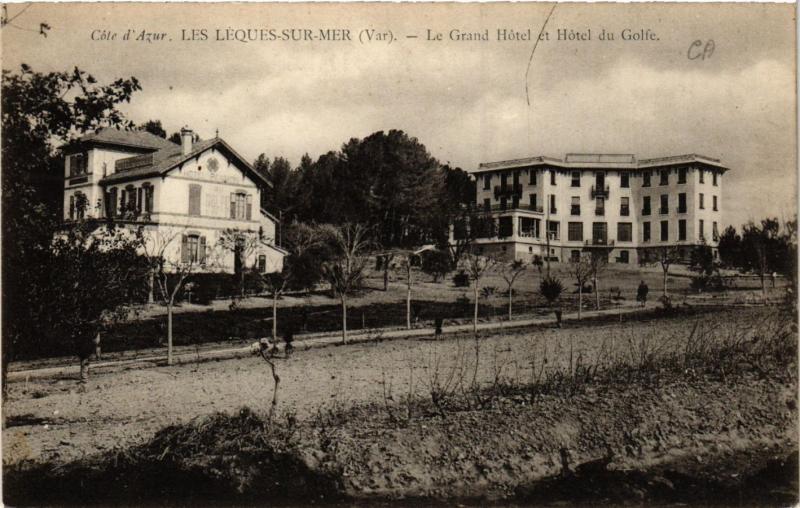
544, 206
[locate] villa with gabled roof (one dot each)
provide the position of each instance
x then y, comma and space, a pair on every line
192, 192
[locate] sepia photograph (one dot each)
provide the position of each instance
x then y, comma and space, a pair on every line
399, 254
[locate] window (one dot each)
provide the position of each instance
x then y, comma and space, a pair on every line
714, 231
575, 255
241, 206
516, 179
77, 205
714, 178
487, 205
624, 232
552, 177
645, 232
701, 230
505, 227
487, 181
575, 207
624, 206
599, 233
193, 249
714, 203
503, 203
131, 203
682, 229
529, 227
532, 175
77, 164
575, 231
664, 177
682, 202
664, 203
600, 206
552, 229
576, 179
111, 202
532, 198
646, 179
503, 180
553, 203
646, 205
624, 257
664, 231
194, 199
682, 175
702, 175
624, 180
262, 263
600, 180
702, 201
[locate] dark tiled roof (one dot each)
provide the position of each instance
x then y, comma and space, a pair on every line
161, 161
132, 138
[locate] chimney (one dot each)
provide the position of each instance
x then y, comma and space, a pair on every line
186, 140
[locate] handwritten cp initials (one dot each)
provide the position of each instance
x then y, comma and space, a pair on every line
699, 51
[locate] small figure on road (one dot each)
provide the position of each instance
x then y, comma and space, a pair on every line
438, 324
641, 293
774, 276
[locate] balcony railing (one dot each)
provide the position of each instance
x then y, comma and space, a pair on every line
663, 210
681, 209
507, 191
511, 206
602, 192
645, 211
575, 210
133, 162
599, 242
624, 211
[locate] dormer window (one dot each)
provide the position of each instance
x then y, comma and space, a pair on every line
77, 164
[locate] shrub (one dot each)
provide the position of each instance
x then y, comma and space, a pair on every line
436, 263
551, 288
461, 279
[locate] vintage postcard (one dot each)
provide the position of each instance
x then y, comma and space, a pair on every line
399, 254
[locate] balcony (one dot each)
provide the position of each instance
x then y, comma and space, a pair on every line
511, 206
508, 191
681, 209
645, 211
663, 210
599, 242
599, 193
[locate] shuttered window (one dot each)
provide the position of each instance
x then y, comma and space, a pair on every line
193, 249
194, 199
111, 203
148, 198
241, 206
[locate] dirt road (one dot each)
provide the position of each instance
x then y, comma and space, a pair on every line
55, 420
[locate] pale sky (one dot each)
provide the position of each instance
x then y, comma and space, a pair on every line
464, 100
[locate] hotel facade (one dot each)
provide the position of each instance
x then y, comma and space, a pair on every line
612, 203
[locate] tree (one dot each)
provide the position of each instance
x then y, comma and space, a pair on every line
581, 270
154, 127
173, 272
598, 261
666, 256
39, 112
436, 263
551, 288
346, 269
476, 266
243, 244
405, 263
730, 248
510, 272
769, 247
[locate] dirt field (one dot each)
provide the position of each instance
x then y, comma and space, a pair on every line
55, 421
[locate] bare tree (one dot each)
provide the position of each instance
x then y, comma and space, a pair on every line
346, 269
581, 270
242, 243
598, 260
666, 256
173, 271
510, 272
476, 267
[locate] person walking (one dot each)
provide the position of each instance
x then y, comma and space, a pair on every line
641, 293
